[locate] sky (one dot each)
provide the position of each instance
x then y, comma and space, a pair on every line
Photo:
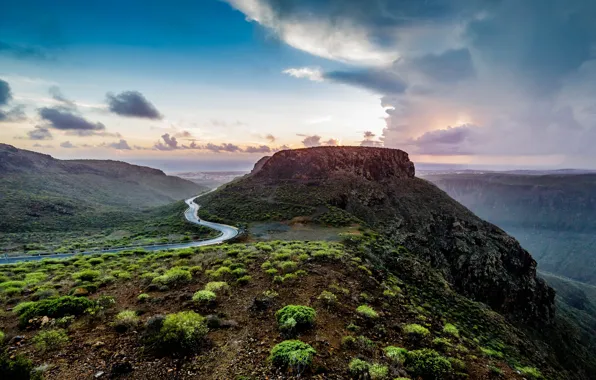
222, 83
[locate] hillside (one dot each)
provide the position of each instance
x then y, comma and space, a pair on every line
42, 198
553, 216
214, 313
377, 186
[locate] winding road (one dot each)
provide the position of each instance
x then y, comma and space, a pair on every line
191, 214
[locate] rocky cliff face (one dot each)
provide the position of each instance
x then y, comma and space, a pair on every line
373, 164
378, 186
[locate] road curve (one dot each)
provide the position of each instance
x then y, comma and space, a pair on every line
191, 214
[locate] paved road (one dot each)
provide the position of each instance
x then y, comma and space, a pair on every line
227, 233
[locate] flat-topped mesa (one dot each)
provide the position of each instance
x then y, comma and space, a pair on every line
374, 164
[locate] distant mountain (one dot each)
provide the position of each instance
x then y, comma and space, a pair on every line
553, 216
378, 186
39, 192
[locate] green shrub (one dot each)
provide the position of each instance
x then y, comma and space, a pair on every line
1, 336
358, 368
288, 266
243, 280
271, 271
173, 277
126, 320
491, 353
87, 275
143, 297
378, 371
442, 343
95, 261
11, 292
451, 330
217, 286
428, 364
415, 330
55, 308
50, 340
396, 354
239, 272
295, 316
292, 354
327, 298
35, 278
348, 341
457, 364
221, 272
195, 270
367, 311
182, 332
204, 297
365, 343
530, 372
17, 368
12, 284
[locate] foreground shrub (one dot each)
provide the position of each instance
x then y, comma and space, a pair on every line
173, 277
295, 317
427, 364
87, 275
50, 340
17, 368
204, 297
367, 311
451, 330
55, 308
396, 354
378, 371
416, 331
126, 320
217, 286
143, 297
358, 368
1, 336
292, 354
181, 332
529, 372
328, 298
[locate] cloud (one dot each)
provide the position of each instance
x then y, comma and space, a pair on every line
311, 141
168, 143
40, 133
58, 96
331, 142
37, 145
368, 137
15, 114
226, 124
225, 147
5, 93
270, 138
184, 135
23, 52
511, 77
379, 81
257, 149
67, 145
120, 145
313, 74
65, 120
132, 104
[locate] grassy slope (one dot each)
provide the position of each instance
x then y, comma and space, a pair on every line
416, 294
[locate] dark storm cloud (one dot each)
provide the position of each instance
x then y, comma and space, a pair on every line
257, 149
449, 66
22, 52
132, 104
65, 120
15, 114
449, 141
5, 93
379, 81
40, 133
167, 142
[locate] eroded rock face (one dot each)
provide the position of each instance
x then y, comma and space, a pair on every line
378, 186
373, 164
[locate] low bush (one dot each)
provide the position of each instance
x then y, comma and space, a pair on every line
378, 371
292, 354
15, 368
50, 340
428, 364
396, 354
143, 297
358, 368
204, 297
367, 312
126, 320
529, 372
243, 280
87, 275
55, 308
328, 298
416, 331
450, 329
297, 317
181, 332
173, 277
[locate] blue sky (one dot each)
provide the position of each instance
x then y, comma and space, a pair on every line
463, 81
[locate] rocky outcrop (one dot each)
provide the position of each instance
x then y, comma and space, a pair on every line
374, 164
378, 185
